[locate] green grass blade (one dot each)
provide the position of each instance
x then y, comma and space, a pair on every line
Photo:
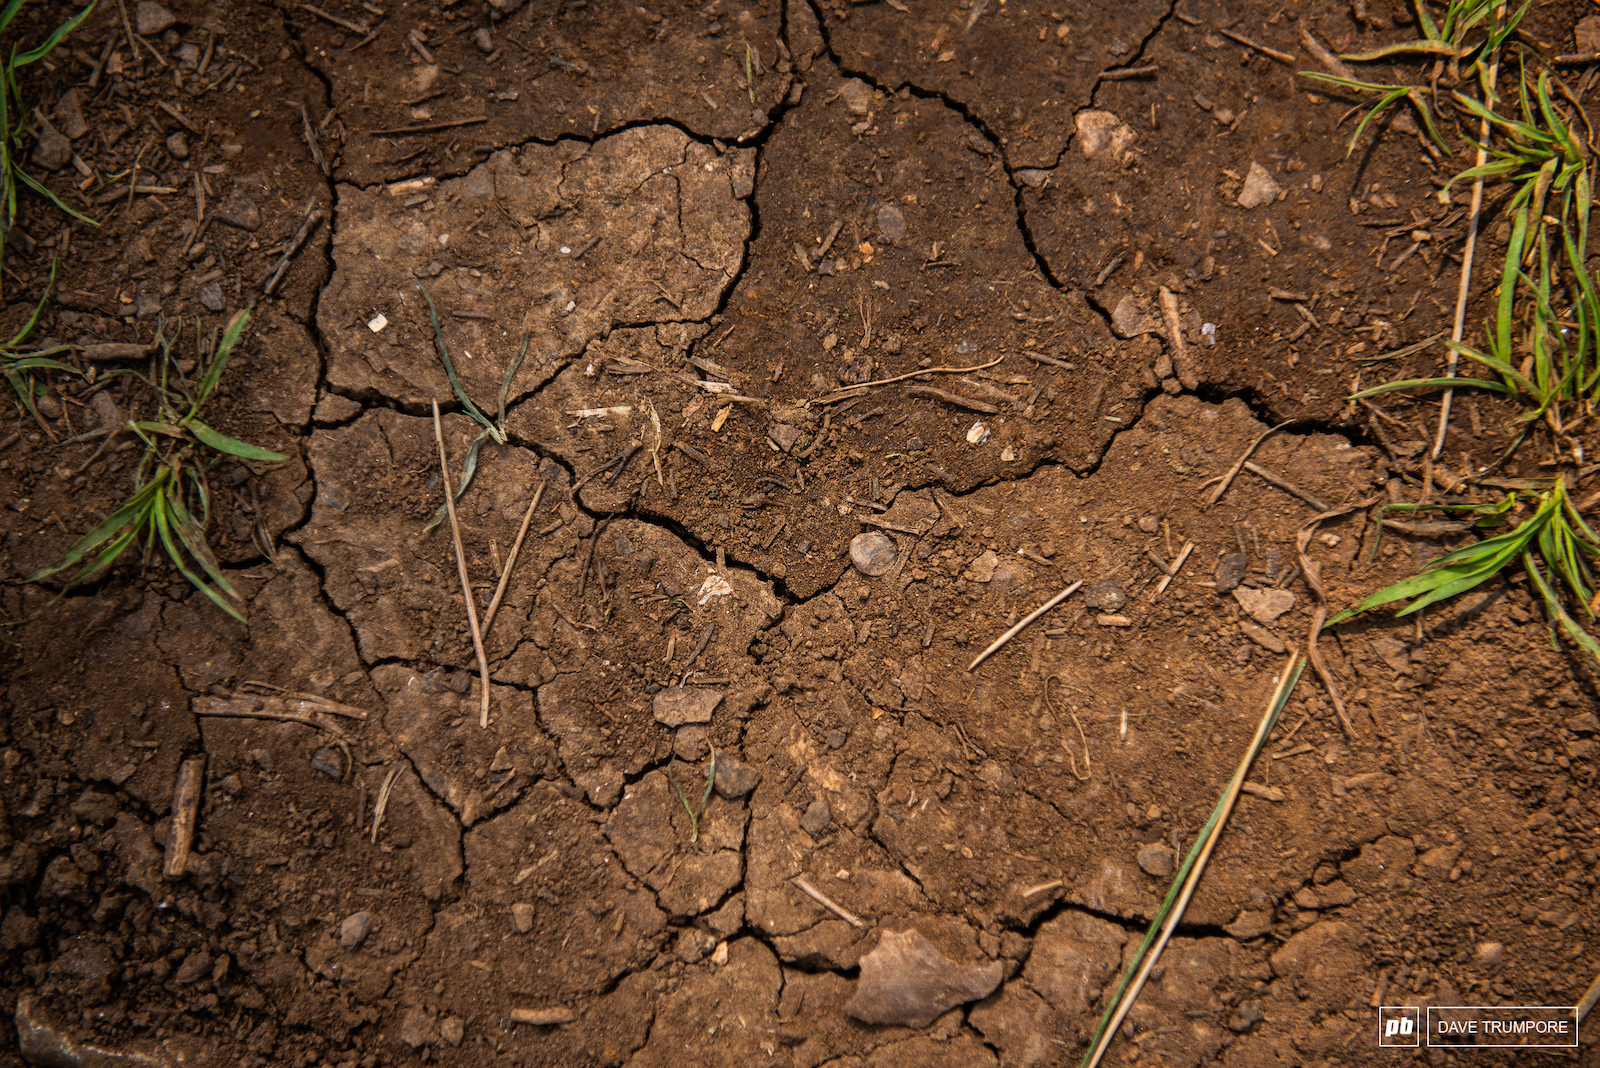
230, 338
1431, 383
1404, 48
39, 187
505, 385
232, 446
1188, 872
449, 367
32, 54
1557, 615
27, 327
193, 537
127, 513
468, 469
163, 529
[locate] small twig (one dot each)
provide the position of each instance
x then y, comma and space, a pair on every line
1029, 618
1313, 575
461, 569
311, 142
353, 27
828, 903
1287, 487
428, 127
1177, 565
913, 374
295, 242
1227, 479
383, 801
957, 399
1120, 74
1041, 888
511, 561
185, 812
1281, 57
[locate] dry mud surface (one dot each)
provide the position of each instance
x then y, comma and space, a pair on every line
669, 205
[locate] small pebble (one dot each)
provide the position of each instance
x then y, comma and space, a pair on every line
453, 1029
1104, 596
211, 297
178, 145
326, 760
1230, 569
150, 17
1149, 524
1156, 860
735, 778
817, 818
522, 917
353, 931
872, 554
482, 38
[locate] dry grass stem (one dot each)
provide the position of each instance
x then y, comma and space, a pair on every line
828, 903
1313, 574
461, 569
1458, 331
1227, 479
1177, 566
913, 374
511, 561
1031, 616
382, 806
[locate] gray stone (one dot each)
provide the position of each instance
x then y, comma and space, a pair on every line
211, 297
1156, 859
783, 435
1259, 187
353, 931
240, 212
326, 760
907, 982
52, 151
677, 705
872, 553
178, 145
150, 17
817, 818
1230, 569
735, 778
1104, 596
891, 223
1264, 606
69, 114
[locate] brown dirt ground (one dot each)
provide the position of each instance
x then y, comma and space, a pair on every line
898, 186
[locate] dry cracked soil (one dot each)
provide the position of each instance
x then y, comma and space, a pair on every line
849, 333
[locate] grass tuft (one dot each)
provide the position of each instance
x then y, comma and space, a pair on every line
171, 502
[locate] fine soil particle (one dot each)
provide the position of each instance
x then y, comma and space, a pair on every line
849, 334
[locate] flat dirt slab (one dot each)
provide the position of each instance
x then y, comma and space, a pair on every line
786, 355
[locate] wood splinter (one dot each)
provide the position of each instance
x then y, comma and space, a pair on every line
185, 815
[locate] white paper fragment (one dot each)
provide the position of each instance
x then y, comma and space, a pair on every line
377, 322
714, 586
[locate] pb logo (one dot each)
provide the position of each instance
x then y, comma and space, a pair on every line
1399, 1025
